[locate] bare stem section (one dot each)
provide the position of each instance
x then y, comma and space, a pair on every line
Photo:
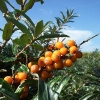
88, 39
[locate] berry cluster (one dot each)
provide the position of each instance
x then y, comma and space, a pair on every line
56, 57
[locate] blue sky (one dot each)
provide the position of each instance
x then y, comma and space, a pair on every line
85, 26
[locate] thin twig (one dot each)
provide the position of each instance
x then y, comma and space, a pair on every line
87, 40
27, 46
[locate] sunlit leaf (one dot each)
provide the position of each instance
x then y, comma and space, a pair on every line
21, 26
7, 32
38, 28
29, 5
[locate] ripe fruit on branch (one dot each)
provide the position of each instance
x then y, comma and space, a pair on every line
68, 62
44, 74
22, 75
30, 64
79, 54
48, 61
59, 45
8, 79
63, 51
49, 68
71, 43
58, 65
48, 53
41, 62
73, 49
34, 68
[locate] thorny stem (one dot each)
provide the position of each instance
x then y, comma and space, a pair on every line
88, 40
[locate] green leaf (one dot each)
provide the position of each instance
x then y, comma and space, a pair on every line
30, 26
87, 96
21, 26
19, 90
19, 2
38, 28
44, 91
46, 25
40, 1
29, 5
17, 41
7, 90
3, 6
37, 46
7, 32
52, 36
64, 81
15, 48
1, 29
52, 82
63, 16
97, 72
23, 14
23, 68
68, 12
58, 21
9, 59
24, 38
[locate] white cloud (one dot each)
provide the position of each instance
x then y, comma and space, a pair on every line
46, 12
79, 36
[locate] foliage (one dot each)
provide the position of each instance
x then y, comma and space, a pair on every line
81, 81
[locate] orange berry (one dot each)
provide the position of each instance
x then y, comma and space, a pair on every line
68, 63
59, 45
58, 65
22, 75
48, 54
79, 54
57, 52
55, 57
30, 64
16, 79
63, 51
73, 58
34, 68
73, 49
71, 43
48, 61
41, 62
49, 68
8, 79
44, 74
